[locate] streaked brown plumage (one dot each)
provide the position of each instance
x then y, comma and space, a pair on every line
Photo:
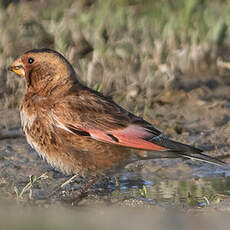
78, 130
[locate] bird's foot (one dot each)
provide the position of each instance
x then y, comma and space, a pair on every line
78, 195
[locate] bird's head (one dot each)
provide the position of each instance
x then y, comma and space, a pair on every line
44, 70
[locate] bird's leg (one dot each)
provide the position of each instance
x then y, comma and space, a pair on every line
83, 191
89, 183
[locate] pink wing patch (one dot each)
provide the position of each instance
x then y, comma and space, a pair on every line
132, 136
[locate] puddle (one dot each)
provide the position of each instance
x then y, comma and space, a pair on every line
207, 184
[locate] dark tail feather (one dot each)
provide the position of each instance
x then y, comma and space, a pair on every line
201, 157
186, 151
188, 155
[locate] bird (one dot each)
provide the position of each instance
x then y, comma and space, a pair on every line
79, 130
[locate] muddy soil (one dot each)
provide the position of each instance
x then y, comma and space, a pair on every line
196, 111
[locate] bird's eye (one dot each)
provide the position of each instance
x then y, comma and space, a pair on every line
30, 60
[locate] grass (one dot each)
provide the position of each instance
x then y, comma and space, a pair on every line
28, 187
138, 45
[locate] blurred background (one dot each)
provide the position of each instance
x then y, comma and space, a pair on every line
123, 47
165, 60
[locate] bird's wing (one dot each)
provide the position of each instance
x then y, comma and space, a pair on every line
91, 114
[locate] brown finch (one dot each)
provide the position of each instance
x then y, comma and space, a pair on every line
80, 131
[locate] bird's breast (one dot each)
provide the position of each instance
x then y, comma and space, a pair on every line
27, 119
27, 123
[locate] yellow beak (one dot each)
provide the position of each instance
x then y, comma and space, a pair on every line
18, 67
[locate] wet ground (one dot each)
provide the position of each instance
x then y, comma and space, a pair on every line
196, 112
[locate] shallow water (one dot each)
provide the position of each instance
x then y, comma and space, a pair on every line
206, 184
197, 191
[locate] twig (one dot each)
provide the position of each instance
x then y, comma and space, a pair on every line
68, 181
6, 134
30, 184
61, 186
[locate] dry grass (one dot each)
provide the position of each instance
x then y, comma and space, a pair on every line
139, 47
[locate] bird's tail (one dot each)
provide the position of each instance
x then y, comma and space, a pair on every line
178, 150
201, 157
